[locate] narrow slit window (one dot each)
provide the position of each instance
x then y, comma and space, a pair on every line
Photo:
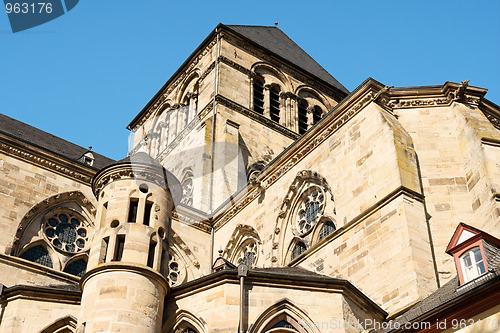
104, 250
132, 211
104, 212
120, 244
302, 117
258, 97
147, 212
274, 103
317, 114
151, 253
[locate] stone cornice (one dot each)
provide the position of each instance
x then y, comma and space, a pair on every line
192, 217
46, 160
276, 279
152, 173
256, 116
23, 264
433, 96
41, 294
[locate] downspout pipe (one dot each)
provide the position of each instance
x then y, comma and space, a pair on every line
211, 189
242, 273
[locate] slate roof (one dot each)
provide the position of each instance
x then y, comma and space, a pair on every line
452, 289
46, 141
277, 42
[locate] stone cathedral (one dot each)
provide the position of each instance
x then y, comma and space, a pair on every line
260, 195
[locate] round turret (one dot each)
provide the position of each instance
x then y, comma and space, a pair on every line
126, 283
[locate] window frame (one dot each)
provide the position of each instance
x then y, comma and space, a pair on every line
478, 243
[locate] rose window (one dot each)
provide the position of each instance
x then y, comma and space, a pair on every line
309, 211
66, 232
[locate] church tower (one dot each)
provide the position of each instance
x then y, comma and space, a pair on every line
125, 285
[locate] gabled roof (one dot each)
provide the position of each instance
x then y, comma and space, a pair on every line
28, 134
277, 42
464, 232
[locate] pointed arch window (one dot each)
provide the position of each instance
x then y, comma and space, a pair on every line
274, 103
38, 254
327, 229
77, 267
258, 96
302, 116
299, 248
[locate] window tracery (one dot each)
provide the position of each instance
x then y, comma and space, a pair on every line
187, 188
311, 207
248, 253
326, 229
38, 254
64, 230
175, 272
306, 216
55, 233
298, 249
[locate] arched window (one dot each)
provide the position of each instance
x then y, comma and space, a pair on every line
76, 267
472, 264
283, 324
317, 114
326, 230
274, 103
38, 254
248, 253
302, 117
258, 96
299, 248
187, 189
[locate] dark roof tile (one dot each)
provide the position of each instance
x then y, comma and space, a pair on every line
276, 41
38, 138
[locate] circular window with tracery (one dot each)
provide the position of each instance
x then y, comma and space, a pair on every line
66, 232
309, 210
176, 272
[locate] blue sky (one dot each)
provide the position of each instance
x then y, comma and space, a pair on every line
85, 75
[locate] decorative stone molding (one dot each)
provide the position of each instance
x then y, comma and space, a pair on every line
235, 65
73, 170
151, 173
196, 120
170, 88
255, 116
241, 235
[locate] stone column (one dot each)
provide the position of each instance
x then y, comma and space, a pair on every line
267, 100
310, 116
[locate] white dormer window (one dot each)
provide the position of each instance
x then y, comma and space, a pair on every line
87, 159
472, 264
